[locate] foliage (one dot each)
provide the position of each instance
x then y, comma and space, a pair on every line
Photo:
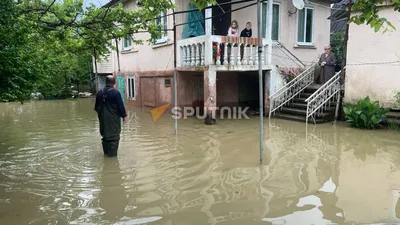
397, 97
46, 45
338, 46
368, 13
17, 70
216, 51
394, 126
365, 114
290, 73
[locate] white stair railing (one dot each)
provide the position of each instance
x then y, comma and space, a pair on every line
321, 99
291, 89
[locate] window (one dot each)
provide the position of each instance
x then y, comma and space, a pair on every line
131, 88
127, 43
305, 26
162, 21
275, 20
167, 82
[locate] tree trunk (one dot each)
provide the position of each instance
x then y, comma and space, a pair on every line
346, 39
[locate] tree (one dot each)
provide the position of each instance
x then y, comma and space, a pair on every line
43, 42
337, 44
368, 13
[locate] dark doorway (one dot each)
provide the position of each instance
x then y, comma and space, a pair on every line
249, 91
220, 24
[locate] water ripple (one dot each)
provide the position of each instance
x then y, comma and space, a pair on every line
52, 170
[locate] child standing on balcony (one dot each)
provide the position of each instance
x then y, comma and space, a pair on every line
232, 32
233, 29
246, 32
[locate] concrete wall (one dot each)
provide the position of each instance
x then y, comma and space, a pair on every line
288, 27
188, 83
150, 88
157, 60
149, 63
379, 82
191, 88
227, 89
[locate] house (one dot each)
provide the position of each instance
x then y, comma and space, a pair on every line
378, 75
145, 72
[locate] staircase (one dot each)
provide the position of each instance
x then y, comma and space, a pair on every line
296, 110
300, 99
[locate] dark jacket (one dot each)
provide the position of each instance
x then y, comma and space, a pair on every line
246, 33
110, 109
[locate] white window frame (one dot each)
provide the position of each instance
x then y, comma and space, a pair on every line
164, 36
129, 92
305, 27
128, 47
279, 19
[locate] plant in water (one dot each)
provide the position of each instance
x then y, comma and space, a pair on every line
394, 126
397, 97
365, 114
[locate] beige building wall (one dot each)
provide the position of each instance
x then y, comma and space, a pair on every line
160, 57
288, 27
379, 82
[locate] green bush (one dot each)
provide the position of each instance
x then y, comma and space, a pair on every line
365, 114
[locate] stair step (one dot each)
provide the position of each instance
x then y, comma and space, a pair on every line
304, 105
305, 95
393, 114
312, 88
397, 121
297, 118
292, 110
303, 112
298, 105
300, 100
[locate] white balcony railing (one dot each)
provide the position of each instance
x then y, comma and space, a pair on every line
220, 50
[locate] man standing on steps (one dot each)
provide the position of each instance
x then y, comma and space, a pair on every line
110, 109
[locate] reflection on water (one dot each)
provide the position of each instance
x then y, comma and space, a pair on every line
52, 171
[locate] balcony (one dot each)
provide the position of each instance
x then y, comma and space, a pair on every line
236, 54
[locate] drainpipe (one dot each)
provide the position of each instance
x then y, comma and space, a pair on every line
269, 12
175, 84
260, 80
346, 39
116, 46
95, 66
119, 70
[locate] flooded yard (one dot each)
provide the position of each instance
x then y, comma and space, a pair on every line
52, 171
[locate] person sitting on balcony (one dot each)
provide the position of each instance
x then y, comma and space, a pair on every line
246, 32
233, 29
327, 61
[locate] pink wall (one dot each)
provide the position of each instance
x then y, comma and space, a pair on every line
187, 86
227, 89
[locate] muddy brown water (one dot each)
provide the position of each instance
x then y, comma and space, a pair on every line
52, 171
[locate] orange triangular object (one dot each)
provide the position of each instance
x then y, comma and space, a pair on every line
157, 112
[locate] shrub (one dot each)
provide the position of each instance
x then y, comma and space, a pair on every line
397, 97
290, 74
365, 114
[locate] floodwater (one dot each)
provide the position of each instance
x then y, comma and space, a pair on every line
52, 171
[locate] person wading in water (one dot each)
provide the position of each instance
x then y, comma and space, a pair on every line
110, 109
